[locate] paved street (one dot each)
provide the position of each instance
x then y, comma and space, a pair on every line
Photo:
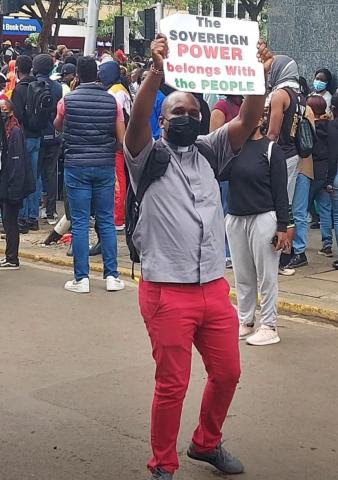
76, 385
313, 287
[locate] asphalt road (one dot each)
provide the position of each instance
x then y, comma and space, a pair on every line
76, 385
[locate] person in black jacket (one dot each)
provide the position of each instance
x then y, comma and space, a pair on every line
256, 227
16, 181
50, 139
29, 213
318, 189
333, 165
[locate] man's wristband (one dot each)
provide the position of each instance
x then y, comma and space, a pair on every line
156, 71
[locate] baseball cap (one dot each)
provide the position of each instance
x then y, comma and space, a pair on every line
7, 42
67, 69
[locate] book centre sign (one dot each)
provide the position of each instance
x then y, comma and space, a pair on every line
20, 26
213, 55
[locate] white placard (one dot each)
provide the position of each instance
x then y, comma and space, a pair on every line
213, 55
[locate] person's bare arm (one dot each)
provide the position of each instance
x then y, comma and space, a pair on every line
138, 133
217, 120
120, 132
252, 108
280, 102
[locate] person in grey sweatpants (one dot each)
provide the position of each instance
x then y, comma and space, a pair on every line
255, 262
256, 227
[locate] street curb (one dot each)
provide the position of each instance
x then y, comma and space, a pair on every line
284, 306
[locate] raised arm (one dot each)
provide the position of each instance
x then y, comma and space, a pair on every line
138, 133
252, 108
279, 103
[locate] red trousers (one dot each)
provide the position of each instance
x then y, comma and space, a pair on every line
178, 316
120, 190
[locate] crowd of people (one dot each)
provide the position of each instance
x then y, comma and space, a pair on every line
212, 182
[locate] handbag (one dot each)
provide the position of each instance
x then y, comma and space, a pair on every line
305, 134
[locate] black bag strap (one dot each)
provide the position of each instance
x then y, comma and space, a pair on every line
159, 159
156, 166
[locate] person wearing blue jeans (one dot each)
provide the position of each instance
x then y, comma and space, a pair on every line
334, 199
319, 194
29, 213
307, 191
333, 165
93, 130
84, 185
300, 209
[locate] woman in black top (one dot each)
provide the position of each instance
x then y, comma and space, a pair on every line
256, 227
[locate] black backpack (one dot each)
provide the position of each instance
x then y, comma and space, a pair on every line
305, 135
39, 106
156, 166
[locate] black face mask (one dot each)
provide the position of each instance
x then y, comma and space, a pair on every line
183, 130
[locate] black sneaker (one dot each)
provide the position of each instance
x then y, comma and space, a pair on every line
326, 252
335, 265
298, 260
33, 225
95, 250
23, 227
9, 266
219, 458
70, 251
159, 474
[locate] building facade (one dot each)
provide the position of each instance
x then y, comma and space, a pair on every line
306, 30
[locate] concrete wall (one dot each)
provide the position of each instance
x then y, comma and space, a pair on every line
306, 30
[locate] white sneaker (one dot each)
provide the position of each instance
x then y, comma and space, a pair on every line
53, 220
245, 331
264, 336
114, 284
82, 286
287, 272
43, 214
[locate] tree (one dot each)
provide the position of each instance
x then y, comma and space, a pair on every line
253, 7
48, 13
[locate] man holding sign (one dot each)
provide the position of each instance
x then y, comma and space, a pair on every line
183, 295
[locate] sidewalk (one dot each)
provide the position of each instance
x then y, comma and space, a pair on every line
312, 292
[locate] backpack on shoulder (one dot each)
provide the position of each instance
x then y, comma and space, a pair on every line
156, 166
305, 134
39, 106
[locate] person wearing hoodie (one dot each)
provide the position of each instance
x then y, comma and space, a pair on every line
29, 213
50, 139
282, 126
318, 189
110, 76
332, 187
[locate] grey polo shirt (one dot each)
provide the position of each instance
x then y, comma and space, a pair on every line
180, 233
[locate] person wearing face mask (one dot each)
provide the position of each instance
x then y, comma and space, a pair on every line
256, 227
16, 181
183, 296
322, 85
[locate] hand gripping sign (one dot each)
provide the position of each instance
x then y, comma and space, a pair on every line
213, 55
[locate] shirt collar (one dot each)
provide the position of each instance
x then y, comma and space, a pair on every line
177, 148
